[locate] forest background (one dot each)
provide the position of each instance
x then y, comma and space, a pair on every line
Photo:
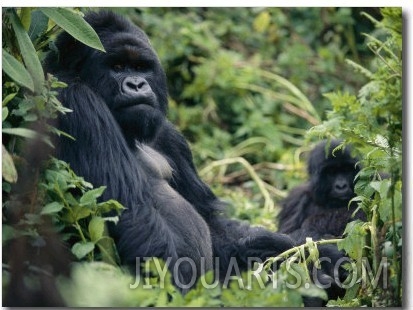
251, 89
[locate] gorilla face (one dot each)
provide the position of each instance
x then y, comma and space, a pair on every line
335, 185
332, 175
128, 76
132, 83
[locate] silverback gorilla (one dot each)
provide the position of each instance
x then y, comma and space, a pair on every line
124, 141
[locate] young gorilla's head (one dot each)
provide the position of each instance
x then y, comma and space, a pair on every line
332, 174
128, 77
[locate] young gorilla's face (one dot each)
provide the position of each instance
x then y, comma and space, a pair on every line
337, 186
332, 176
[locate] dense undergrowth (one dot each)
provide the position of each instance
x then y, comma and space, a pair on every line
250, 89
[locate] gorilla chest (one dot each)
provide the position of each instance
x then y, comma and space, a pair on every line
328, 221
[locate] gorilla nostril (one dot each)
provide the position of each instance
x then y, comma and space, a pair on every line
141, 84
131, 85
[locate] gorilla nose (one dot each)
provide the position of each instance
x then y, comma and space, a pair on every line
135, 85
341, 186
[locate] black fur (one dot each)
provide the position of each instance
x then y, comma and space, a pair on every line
320, 208
124, 141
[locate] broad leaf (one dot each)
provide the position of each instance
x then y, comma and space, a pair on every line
28, 52
81, 249
38, 25
80, 212
5, 113
52, 208
25, 17
75, 25
9, 170
90, 196
108, 251
96, 228
16, 71
8, 98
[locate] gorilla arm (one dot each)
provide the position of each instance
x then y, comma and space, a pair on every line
294, 209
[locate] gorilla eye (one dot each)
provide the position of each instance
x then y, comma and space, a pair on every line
118, 67
140, 66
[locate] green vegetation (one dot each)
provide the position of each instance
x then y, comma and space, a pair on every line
250, 88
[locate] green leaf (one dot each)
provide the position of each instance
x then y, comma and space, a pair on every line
81, 249
22, 132
96, 228
9, 97
354, 241
162, 299
5, 112
8, 233
52, 208
9, 170
110, 205
107, 248
382, 187
25, 17
16, 71
90, 196
28, 52
75, 25
27, 133
38, 25
80, 212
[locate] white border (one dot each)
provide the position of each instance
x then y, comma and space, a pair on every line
407, 129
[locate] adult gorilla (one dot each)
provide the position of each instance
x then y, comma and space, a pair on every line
124, 141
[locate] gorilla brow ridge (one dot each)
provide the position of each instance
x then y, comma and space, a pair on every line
128, 52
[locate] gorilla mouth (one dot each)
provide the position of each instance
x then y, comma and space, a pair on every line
346, 196
128, 102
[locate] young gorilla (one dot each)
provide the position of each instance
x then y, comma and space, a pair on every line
319, 208
124, 141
